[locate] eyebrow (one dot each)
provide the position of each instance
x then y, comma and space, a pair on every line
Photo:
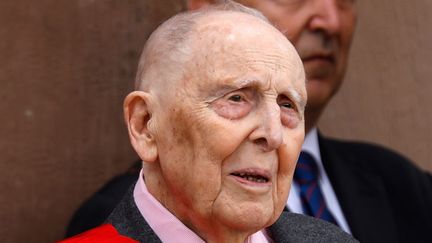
246, 82
254, 82
220, 89
298, 99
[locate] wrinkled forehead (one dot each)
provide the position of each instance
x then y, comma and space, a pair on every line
230, 28
223, 47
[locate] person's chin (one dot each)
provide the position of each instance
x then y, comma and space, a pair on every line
245, 204
319, 92
252, 221
322, 83
245, 215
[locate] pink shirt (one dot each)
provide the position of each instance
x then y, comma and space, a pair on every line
166, 226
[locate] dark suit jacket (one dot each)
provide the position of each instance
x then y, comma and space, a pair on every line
383, 196
95, 210
290, 227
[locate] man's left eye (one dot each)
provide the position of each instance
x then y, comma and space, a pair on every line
287, 105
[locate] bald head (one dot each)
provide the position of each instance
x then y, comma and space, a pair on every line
169, 46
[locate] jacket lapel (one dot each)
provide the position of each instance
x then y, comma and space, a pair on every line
128, 221
361, 194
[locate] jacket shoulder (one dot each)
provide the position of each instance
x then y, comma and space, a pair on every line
292, 227
94, 211
105, 233
362, 154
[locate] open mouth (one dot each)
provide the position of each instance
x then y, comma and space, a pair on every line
252, 176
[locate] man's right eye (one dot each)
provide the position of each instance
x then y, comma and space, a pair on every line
234, 105
235, 98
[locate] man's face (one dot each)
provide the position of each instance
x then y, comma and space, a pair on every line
229, 133
321, 31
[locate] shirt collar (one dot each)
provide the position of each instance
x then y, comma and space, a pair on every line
311, 145
167, 226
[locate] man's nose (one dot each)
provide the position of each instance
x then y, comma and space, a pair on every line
268, 134
325, 16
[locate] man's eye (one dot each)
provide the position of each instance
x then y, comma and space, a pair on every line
287, 105
285, 102
235, 98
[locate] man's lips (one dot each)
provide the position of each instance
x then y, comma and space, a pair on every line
318, 57
253, 176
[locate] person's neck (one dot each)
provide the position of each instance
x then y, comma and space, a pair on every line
209, 229
311, 119
236, 238
213, 234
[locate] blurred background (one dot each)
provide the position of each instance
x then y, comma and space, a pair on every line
66, 66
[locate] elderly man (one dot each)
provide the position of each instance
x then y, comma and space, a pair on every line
367, 190
218, 120
371, 192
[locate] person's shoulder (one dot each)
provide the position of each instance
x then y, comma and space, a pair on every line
98, 207
292, 227
360, 147
105, 233
367, 153
399, 173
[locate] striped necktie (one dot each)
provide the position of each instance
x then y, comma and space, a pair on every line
306, 176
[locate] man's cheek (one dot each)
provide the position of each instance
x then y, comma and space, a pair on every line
287, 154
205, 185
224, 139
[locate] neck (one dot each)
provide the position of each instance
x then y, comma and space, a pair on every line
209, 230
236, 238
215, 233
311, 118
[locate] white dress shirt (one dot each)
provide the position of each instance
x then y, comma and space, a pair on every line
311, 146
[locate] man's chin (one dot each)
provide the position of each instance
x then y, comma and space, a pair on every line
247, 216
319, 93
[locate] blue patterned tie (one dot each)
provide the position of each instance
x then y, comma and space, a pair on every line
306, 176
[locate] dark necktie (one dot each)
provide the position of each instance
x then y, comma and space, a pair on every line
306, 176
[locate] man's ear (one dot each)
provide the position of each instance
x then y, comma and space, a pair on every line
138, 115
197, 4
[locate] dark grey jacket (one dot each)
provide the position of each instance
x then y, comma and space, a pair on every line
290, 227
